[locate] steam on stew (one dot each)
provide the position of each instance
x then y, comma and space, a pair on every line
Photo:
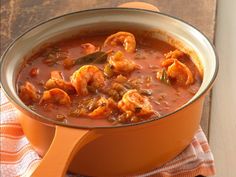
103, 80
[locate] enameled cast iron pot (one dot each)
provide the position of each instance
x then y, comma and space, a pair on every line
110, 151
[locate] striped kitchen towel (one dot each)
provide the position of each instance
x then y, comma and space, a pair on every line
18, 158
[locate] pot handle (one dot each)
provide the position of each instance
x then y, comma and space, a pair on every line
140, 5
64, 145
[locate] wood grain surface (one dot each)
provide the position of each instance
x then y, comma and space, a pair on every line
19, 15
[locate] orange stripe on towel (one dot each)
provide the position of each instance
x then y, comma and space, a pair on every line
12, 130
7, 157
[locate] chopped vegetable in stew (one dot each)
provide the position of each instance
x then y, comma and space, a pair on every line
107, 80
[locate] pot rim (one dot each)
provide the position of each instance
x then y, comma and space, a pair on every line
46, 120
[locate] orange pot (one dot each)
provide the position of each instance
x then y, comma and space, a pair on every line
118, 150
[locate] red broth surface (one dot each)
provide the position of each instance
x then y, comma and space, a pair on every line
149, 55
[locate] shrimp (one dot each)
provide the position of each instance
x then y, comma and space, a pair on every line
56, 96
57, 81
174, 54
87, 75
120, 64
122, 38
28, 93
178, 71
133, 103
104, 108
89, 48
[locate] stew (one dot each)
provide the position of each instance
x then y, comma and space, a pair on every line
105, 80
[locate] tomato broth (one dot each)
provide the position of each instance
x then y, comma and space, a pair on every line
139, 78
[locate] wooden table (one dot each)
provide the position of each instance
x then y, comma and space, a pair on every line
19, 15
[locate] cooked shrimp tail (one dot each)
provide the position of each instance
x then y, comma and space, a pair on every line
135, 104
126, 39
28, 93
55, 96
57, 81
87, 75
120, 64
